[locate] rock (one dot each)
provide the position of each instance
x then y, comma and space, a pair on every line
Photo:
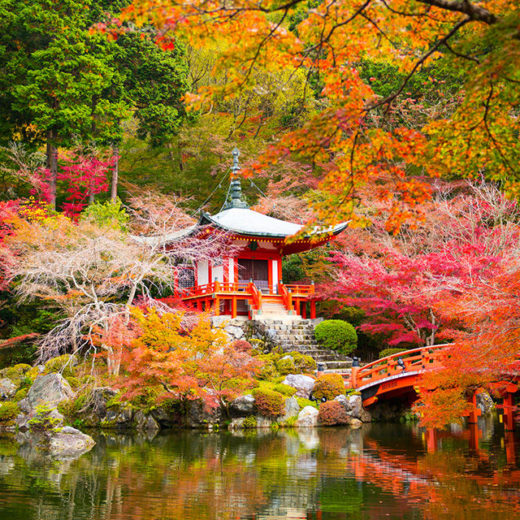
234, 332
353, 405
242, 406
354, 423
95, 409
145, 422
50, 390
236, 424
7, 389
302, 384
119, 417
484, 402
308, 418
263, 422
22, 420
69, 443
292, 408
199, 416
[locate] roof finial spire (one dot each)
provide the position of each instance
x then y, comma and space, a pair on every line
236, 166
235, 188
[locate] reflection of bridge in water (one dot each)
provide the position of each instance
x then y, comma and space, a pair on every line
398, 376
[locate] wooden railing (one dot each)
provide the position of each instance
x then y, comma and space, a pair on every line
416, 360
300, 290
237, 287
286, 295
256, 296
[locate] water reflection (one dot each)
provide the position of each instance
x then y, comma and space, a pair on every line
380, 471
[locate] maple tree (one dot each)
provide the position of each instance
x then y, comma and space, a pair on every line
341, 137
185, 364
399, 280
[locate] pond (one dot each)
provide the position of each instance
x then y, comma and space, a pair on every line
381, 471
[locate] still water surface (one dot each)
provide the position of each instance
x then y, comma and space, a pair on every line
379, 472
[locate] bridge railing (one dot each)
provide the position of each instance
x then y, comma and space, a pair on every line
415, 360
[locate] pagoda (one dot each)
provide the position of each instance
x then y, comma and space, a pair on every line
249, 282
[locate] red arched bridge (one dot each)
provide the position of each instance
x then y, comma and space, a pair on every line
398, 376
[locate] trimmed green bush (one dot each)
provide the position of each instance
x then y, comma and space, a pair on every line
336, 335
268, 403
304, 364
287, 390
390, 352
328, 386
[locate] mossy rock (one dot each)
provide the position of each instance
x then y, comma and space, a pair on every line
65, 365
286, 365
304, 364
16, 373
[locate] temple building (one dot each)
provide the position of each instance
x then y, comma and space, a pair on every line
249, 281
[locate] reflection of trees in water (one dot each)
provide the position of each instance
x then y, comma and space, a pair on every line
343, 473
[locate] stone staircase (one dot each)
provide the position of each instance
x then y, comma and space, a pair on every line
298, 335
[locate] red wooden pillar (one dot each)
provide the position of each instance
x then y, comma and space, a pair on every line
431, 440
474, 436
313, 309
474, 412
510, 447
304, 309
234, 307
217, 306
508, 412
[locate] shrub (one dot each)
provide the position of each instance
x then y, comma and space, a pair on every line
287, 390
336, 335
249, 423
332, 413
306, 402
8, 411
21, 394
268, 403
328, 386
390, 352
242, 346
304, 364
285, 365
268, 370
16, 373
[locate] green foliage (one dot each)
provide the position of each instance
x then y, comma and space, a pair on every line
63, 364
249, 423
21, 394
332, 413
328, 386
336, 335
287, 390
304, 364
107, 215
8, 411
285, 365
306, 402
390, 352
43, 421
268, 403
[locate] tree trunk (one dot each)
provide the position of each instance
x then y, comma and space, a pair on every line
52, 165
115, 173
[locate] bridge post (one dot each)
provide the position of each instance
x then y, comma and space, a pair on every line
509, 424
474, 412
431, 440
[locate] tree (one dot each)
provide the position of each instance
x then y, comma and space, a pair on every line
198, 363
478, 38
399, 280
93, 270
56, 77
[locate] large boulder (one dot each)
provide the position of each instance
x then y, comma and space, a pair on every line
302, 384
7, 389
145, 422
291, 408
200, 416
353, 405
242, 406
308, 418
69, 443
50, 390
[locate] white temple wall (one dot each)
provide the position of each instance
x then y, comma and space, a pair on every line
231, 270
202, 272
218, 273
274, 270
